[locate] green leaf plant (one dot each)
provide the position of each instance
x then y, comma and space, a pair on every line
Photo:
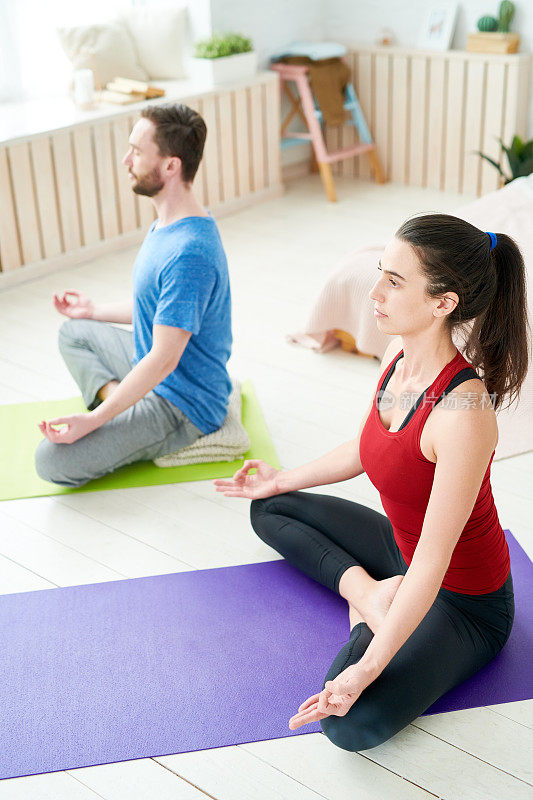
221, 45
519, 155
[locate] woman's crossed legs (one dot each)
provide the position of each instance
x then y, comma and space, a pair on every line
351, 549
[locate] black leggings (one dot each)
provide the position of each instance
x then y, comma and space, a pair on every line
323, 536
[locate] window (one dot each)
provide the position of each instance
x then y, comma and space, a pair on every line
32, 61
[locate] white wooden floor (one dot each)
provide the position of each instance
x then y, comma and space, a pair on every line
280, 254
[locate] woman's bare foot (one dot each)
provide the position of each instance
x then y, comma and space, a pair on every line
354, 616
378, 601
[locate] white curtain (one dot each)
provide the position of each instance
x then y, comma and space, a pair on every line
32, 61
10, 78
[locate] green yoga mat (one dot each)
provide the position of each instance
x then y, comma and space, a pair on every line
20, 435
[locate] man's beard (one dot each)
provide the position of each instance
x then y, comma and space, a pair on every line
149, 185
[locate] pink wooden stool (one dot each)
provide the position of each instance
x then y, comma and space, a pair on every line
305, 107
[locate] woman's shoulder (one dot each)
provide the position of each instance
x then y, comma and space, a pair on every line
465, 411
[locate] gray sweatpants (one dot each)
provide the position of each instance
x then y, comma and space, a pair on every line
96, 353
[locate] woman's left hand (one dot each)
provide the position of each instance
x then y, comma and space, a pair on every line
336, 699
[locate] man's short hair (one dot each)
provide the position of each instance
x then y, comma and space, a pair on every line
181, 132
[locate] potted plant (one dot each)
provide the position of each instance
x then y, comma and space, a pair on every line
494, 35
520, 158
223, 58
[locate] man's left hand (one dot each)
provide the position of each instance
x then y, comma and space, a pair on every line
73, 427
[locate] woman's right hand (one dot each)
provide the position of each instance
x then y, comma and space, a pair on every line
79, 307
261, 484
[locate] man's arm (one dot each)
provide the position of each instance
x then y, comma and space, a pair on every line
168, 346
76, 305
121, 311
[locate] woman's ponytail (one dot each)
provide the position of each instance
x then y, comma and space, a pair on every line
499, 342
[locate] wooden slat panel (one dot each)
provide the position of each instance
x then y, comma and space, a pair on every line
143, 205
227, 149
264, 132
199, 179
418, 122
455, 126
257, 138
19, 157
435, 136
10, 256
126, 204
66, 190
363, 88
347, 138
493, 125
46, 196
473, 125
131, 122
381, 102
105, 180
516, 105
90, 215
242, 130
524, 74
272, 128
214, 189
399, 121
347, 132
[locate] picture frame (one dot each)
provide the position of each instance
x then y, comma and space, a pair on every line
438, 26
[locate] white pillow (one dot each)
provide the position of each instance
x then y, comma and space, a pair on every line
158, 35
105, 49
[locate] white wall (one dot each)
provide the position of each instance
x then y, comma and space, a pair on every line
275, 23
270, 24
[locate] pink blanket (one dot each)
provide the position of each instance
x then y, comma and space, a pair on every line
344, 303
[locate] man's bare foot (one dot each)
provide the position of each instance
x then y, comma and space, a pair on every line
379, 600
107, 389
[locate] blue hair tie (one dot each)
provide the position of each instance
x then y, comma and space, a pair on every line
493, 239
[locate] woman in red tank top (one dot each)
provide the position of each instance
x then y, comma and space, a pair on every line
428, 584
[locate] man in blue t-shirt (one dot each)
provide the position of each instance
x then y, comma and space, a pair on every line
157, 388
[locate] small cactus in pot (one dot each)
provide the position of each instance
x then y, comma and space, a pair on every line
505, 17
487, 24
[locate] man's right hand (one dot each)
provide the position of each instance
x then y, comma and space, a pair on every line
74, 305
262, 484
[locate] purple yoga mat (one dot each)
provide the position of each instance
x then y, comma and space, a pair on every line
173, 663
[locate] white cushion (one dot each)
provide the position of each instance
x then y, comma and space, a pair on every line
107, 50
158, 35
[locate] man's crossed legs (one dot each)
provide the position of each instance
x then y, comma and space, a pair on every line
95, 354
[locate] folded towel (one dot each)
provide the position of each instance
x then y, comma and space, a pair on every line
227, 444
314, 50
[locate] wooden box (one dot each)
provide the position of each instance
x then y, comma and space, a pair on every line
493, 43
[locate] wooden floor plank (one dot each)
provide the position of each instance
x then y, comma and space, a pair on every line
54, 786
467, 730
135, 780
521, 711
231, 773
123, 554
334, 773
447, 771
55, 562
